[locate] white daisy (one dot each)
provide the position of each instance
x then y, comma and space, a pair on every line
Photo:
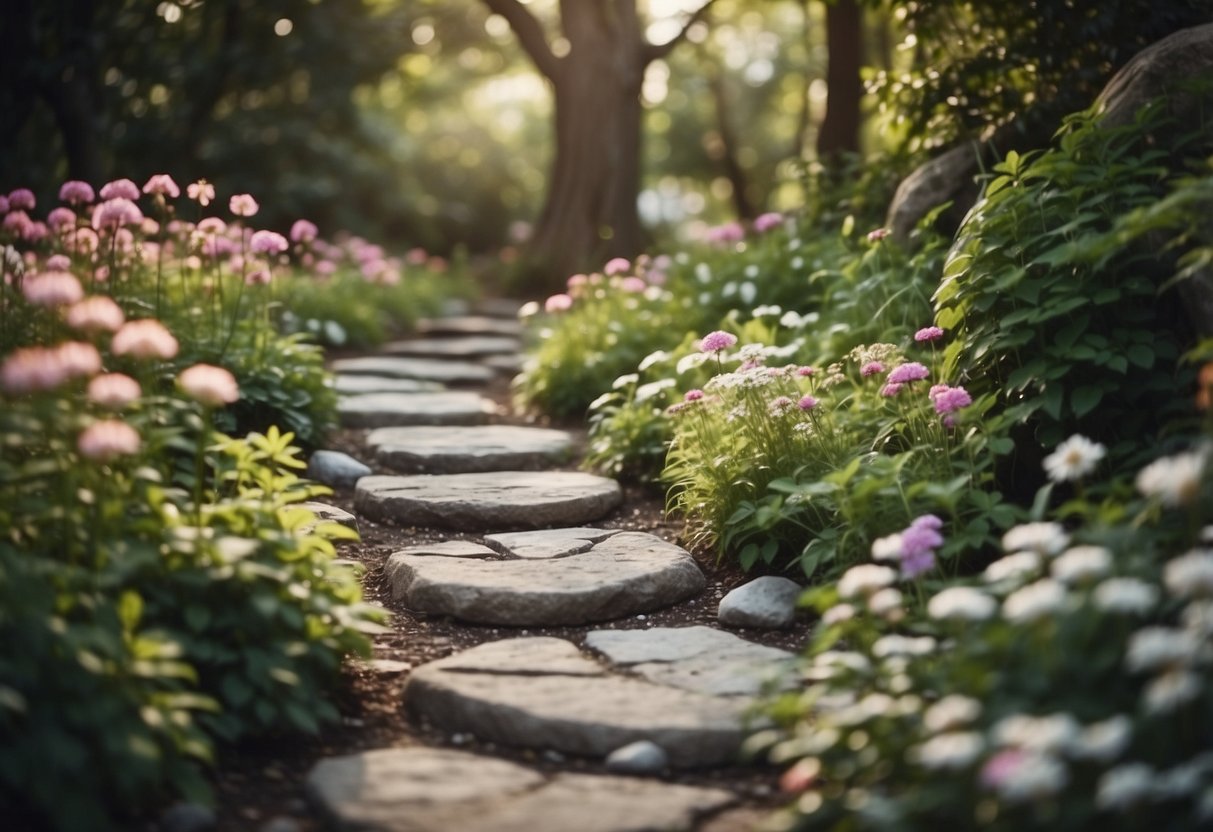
1074, 459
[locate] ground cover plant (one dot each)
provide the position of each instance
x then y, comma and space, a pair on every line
162, 580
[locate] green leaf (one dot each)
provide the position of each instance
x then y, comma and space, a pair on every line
1085, 399
1141, 355
130, 609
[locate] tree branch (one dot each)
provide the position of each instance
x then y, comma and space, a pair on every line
655, 51
530, 34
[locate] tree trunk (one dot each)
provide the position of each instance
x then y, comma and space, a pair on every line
839, 131
733, 168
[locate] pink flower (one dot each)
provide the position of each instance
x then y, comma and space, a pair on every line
807, 403
52, 289
34, 232
730, 232
104, 440
557, 303
304, 231
693, 395
83, 241
116, 213
950, 399
576, 281
16, 221
21, 199
120, 189
201, 191
633, 285
780, 405
145, 338
806, 371
113, 390
211, 225
878, 234
243, 205
211, 386
414, 256
1002, 767
258, 277
3, 204
765, 222
872, 368
75, 192
910, 371
717, 341
890, 390
162, 184
96, 314
61, 218
78, 359
928, 333
268, 242
58, 263
617, 265
326, 268
32, 369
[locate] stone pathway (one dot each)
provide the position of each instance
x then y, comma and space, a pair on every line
522, 553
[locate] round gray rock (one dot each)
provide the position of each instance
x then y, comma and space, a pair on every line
467, 346
621, 575
454, 449
375, 410
423, 369
336, 469
470, 325
352, 385
436, 790
769, 602
495, 500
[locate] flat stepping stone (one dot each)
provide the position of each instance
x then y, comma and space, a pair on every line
470, 325
326, 513
453, 449
438, 790
544, 693
496, 500
421, 369
352, 385
504, 363
547, 543
468, 346
499, 307
447, 407
619, 575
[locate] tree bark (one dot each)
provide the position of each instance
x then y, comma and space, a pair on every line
839, 131
733, 168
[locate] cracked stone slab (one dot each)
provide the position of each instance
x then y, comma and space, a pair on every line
326, 513
470, 325
460, 449
450, 549
375, 410
547, 543
352, 385
699, 658
466, 346
517, 692
620, 575
421, 369
438, 790
487, 501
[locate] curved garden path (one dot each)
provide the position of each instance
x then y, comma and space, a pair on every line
555, 660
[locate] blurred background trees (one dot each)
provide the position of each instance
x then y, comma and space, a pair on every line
603, 125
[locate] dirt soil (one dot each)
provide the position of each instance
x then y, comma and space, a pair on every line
263, 781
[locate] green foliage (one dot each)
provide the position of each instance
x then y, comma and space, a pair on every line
1056, 306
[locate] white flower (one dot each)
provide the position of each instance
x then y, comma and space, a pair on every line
1152, 648
952, 711
1045, 734
1074, 459
837, 614
1190, 575
1034, 601
1018, 565
647, 391
962, 603
625, 380
1103, 741
1198, 618
1045, 538
1034, 775
1174, 480
1181, 781
842, 658
1170, 690
897, 645
1129, 596
1124, 786
1082, 563
887, 548
865, 579
767, 311
653, 358
949, 751
886, 602
690, 362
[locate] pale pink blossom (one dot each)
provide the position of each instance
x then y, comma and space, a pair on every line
145, 338
113, 390
211, 225
872, 368
950, 399
807, 403
243, 205
557, 303
3, 204
633, 285
765, 222
268, 242
52, 289
35, 231
61, 218
83, 241
21, 199
693, 395
806, 371
577, 281
211, 386
910, 371
31, 370
257, 277
58, 263
304, 231
201, 191
617, 265
79, 359
16, 221
96, 314
717, 341
416, 256
107, 439
878, 234
928, 333
890, 390
75, 192
115, 213
731, 232
120, 189
162, 184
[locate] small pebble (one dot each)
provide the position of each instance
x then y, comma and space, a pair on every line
642, 757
